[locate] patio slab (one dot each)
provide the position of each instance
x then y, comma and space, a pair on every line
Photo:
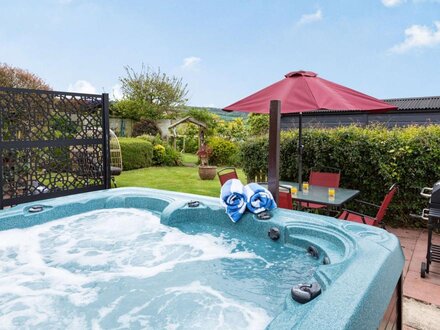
421, 295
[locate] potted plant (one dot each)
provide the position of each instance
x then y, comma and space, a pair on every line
206, 172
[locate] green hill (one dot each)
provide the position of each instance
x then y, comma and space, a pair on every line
228, 116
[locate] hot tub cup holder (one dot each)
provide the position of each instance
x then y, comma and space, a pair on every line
303, 293
193, 204
36, 208
265, 215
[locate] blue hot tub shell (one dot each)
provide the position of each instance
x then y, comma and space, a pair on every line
358, 285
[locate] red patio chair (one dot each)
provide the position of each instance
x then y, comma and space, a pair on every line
323, 179
285, 198
226, 174
371, 220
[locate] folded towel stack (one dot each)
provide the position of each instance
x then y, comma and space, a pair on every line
258, 198
233, 199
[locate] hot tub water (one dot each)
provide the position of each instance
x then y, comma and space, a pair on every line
121, 268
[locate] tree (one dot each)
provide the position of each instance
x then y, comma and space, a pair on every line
203, 115
150, 94
127, 109
257, 124
234, 130
14, 77
145, 126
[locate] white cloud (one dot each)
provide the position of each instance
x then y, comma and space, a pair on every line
395, 3
418, 36
392, 3
310, 18
418, 1
82, 86
116, 93
190, 62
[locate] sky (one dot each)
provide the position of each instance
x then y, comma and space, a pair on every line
226, 49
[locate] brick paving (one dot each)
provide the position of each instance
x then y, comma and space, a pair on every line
427, 290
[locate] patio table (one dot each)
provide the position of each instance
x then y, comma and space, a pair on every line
319, 195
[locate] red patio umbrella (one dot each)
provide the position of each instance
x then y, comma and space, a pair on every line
299, 92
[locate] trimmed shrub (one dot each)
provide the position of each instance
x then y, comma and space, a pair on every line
145, 126
172, 157
163, 154
158, 154
136, 153
370, 158
153, 139
224, 152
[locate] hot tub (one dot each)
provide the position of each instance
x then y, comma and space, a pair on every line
145, 258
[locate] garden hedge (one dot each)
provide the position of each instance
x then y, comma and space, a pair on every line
224, 152
136, 153
163, 154
370, 158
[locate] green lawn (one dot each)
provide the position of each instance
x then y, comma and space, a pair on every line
183, 179
190, 158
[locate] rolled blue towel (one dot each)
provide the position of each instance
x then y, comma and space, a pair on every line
233, 199
258, 198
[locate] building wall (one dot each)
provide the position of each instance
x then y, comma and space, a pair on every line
391, 119
121, 126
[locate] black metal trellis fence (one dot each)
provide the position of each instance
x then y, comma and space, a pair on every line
52, 144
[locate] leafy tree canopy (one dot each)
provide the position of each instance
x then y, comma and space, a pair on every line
14, 77
257, 124
203, 115
150, 94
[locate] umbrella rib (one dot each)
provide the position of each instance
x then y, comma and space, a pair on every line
310, 91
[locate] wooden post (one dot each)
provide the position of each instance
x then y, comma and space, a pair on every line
274, 148
300, 152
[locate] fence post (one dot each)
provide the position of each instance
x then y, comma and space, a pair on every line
106, 141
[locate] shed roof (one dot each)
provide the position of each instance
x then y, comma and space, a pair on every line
188, 119
409, 104
416, 103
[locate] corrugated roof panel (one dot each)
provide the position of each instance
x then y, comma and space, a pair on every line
411, 103
416, 103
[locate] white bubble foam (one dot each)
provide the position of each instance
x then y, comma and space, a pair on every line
244, 315
68, 264
214, 310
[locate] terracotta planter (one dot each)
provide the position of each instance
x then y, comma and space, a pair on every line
207, 172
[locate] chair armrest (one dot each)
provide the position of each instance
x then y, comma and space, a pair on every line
355, 213
366, 203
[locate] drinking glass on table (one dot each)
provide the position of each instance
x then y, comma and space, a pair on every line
305, 187
331, 193
294, 191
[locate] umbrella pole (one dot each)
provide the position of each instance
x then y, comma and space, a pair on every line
300, 151
274, 148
